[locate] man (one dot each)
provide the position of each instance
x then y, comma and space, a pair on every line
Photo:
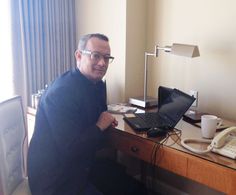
70, 121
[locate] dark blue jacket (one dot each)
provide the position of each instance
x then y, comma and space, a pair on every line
66, 138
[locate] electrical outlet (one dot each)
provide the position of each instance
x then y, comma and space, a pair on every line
194, 94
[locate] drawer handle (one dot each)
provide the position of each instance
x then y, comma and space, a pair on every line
134, 149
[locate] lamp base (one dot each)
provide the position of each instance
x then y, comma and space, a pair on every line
139, 101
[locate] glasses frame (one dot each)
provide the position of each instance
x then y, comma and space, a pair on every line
107, 58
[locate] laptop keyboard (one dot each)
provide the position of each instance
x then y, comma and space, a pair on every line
152, 119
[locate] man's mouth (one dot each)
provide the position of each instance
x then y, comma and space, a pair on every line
100, 70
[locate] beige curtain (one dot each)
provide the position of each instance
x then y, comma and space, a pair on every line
6, 88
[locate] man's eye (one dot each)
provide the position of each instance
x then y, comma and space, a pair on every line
96, 56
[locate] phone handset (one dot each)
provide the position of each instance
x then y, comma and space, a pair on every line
218, 141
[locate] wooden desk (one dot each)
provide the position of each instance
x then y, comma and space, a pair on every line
212, 170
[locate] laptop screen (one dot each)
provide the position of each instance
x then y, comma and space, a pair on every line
175, 105
163, 93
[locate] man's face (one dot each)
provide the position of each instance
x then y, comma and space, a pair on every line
94, 70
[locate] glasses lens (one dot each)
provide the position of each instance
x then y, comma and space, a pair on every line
96, 56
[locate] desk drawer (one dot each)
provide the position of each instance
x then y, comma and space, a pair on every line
132, 145
144, 149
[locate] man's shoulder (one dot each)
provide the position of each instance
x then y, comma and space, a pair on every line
68, 78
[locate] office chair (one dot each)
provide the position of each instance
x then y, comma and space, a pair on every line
12, 137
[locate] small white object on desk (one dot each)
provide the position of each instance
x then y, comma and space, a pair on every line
121, 108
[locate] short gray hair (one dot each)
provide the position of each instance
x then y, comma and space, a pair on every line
84, 39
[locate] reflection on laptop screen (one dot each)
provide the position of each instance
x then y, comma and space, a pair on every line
163, 93
176, 105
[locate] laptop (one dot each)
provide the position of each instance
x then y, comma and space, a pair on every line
171, 110
163, 93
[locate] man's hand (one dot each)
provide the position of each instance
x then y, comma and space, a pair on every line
105, 120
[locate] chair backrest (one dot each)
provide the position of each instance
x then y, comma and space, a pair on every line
12, 136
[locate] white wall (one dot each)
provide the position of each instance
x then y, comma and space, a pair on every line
136, 33
123, 22
137, 25
107, 17
211, 26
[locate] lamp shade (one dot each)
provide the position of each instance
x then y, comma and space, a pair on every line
190, 51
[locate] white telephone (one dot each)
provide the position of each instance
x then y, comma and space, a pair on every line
224, 143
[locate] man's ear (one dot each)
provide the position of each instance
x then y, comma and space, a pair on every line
77, 55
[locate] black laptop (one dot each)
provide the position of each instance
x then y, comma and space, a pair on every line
163, 93
170, 111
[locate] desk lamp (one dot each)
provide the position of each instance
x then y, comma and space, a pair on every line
190, 51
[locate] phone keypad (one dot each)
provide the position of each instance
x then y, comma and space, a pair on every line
229, 150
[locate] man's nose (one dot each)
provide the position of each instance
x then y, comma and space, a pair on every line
102, 61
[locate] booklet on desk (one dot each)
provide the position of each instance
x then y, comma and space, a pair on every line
221, 127
193, 116
121, 108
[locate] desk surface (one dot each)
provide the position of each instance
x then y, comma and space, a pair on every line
211, 169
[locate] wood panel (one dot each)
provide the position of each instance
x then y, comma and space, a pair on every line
144, 149
173, 161
213, 175
131, 144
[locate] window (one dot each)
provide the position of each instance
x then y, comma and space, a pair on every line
6, 86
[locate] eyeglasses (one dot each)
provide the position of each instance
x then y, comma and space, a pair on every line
96, 56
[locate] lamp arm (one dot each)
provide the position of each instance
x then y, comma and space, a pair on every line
145, 74
166, 49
